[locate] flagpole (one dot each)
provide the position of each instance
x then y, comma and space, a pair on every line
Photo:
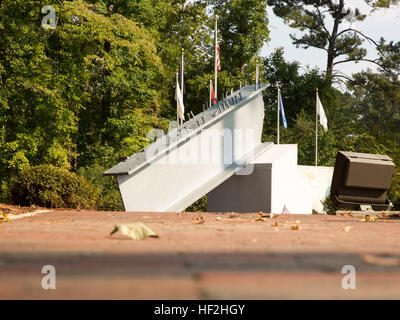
210, 91
257, 75
177, 112
278, 111
316, 127
215, 63
182, 68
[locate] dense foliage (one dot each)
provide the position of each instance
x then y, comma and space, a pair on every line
49, 186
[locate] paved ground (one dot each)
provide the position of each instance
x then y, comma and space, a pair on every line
226, 257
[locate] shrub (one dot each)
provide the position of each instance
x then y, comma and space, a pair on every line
49, 186
110, 197
4, 194
394, 192
329, 206
199, 206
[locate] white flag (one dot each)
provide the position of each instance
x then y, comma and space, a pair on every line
179, 99
322, 116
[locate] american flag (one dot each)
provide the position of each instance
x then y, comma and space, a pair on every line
218, 59
213, 98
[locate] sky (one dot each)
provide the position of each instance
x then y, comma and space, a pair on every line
381, 23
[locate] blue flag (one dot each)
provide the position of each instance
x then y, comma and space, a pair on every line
282, 112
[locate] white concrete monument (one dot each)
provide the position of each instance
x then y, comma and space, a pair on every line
219, 153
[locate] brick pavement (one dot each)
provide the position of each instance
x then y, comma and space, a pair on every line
224, 258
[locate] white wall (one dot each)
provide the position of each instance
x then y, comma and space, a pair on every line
320, 180
288, 187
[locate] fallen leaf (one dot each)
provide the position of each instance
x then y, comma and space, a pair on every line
275, 224
295, 227
260, 219
347, 228
198, 220
4, 217
266, 215
346, 214
137, 231
368, 218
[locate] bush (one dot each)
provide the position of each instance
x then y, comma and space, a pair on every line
4, 194
199, 206
329, 206
394, 192
110, 197
49, 186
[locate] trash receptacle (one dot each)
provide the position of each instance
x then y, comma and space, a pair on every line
361, 179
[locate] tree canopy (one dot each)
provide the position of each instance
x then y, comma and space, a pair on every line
327, 25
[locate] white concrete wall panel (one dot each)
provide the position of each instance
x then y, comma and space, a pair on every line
320, 180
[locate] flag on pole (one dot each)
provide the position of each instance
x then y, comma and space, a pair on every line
282, 111
213, 98
218, 59
217, 62
179, 100
322, 116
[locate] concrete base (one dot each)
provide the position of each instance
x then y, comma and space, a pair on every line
276, 184
243, 193
320, 179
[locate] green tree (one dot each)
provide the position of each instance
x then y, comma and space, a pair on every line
243, 31
341, 42
91, 87
378, 105
37, 123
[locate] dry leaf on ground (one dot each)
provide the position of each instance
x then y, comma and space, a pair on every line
295, 227
368, 218
264, 215
136, 231
4, 217
267, 215
346, 214
347, 228
198, 220
260, 219
275, 224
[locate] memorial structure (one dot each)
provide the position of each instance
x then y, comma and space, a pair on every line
219, 153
